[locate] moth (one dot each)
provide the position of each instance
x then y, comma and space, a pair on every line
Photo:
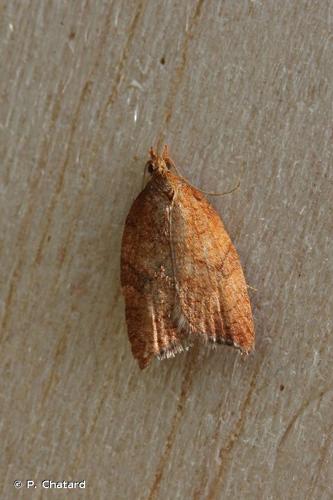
181, 276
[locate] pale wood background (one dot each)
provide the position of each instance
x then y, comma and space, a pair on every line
238, 90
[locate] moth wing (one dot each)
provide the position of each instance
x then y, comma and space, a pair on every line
213, 302
147, 277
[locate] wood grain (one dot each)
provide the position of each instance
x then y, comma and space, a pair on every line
238, 90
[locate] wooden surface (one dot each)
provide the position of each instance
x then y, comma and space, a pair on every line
238, 90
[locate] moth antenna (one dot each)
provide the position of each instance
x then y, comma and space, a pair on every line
210, 192
169, 161
144, 175
152, 153
252, 288
218, 194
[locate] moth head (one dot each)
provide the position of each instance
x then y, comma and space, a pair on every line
158, 163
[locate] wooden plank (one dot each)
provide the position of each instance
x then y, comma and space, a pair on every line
238, 90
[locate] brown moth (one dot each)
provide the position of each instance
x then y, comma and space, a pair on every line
180, 273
